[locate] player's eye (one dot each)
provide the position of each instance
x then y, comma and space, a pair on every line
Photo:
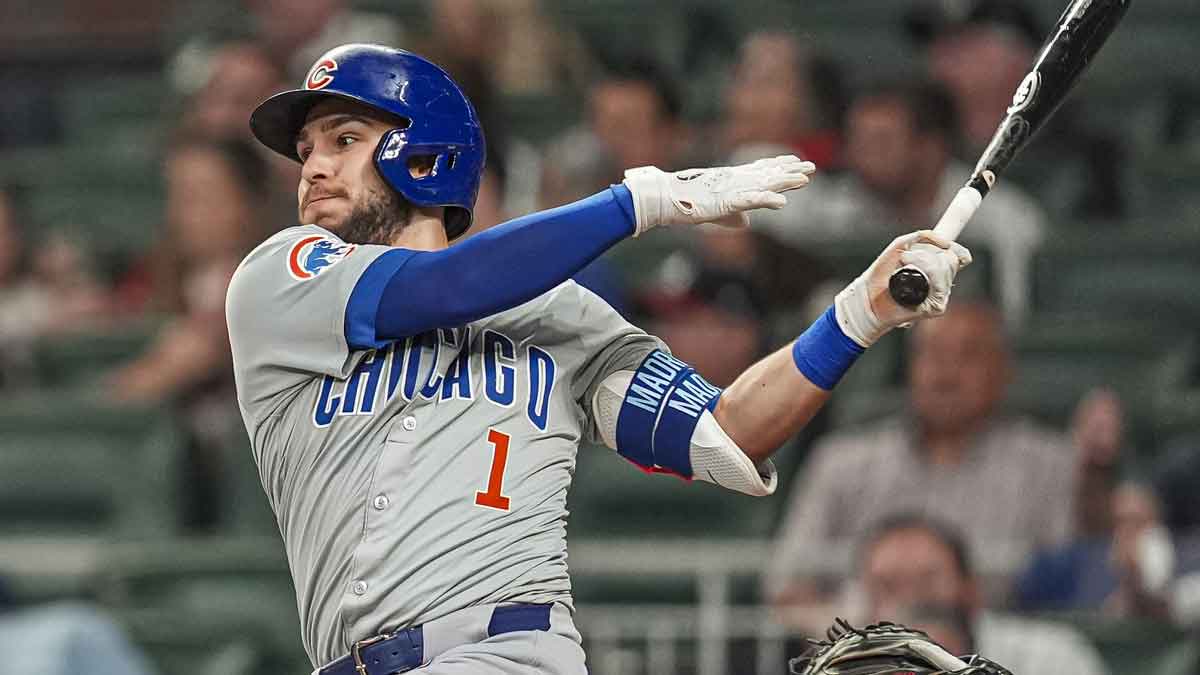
345, 139
303, 152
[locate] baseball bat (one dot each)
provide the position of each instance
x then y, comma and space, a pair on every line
1080, 33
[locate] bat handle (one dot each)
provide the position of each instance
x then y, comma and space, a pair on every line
908, 285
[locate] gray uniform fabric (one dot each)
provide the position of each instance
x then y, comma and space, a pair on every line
381, 465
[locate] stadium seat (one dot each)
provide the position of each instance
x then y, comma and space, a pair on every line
1058, 359
74, 466
75, 359
242, 506
180, 594
93, 108
1111, 275
1139, 646
187, 644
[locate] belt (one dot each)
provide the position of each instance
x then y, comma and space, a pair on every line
404, 650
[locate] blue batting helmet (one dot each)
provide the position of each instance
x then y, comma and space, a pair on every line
439, 121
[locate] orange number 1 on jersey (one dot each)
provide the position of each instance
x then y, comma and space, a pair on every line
492, 498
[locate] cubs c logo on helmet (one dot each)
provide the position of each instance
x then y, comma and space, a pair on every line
312, 255
321, 74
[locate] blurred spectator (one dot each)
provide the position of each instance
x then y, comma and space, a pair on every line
1125, 572
784, 97
633, 120
213, 219
899, 141
713, 319
296, 32
44, 288
913, 566
536, 54
215, 193
1098, 430
952, 455
466, 39
66, 639
981, 50
223, 88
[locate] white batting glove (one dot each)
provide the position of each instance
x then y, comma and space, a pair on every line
865, 310
718, 195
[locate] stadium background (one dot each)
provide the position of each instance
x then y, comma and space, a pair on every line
110, 505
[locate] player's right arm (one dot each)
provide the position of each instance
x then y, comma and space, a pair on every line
408, 292
664, 416
773, 399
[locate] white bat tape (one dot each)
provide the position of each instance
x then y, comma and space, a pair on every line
963, 206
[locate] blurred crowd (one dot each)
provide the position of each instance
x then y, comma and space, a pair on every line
954, 512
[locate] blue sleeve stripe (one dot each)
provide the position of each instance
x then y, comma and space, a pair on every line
362, 309
823, 353
502, 267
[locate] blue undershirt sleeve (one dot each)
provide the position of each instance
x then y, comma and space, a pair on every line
406, 292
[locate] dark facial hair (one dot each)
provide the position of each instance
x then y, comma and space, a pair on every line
379, 219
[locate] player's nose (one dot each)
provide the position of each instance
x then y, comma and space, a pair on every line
318, 166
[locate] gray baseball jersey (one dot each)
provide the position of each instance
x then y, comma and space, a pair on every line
425, 476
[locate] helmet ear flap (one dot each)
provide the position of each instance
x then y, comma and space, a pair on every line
451, 179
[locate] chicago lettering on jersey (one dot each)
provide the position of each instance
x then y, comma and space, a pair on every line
442, 365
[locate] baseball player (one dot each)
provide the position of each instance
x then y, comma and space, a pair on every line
415, 408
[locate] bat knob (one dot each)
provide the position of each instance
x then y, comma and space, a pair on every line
908, 286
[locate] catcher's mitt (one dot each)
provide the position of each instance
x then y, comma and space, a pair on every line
885, 648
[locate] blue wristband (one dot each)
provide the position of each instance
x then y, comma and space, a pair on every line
823, 353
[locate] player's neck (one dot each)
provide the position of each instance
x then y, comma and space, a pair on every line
425, 231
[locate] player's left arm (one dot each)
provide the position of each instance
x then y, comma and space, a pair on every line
664, 416
776, 397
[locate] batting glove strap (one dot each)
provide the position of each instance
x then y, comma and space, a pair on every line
718, 195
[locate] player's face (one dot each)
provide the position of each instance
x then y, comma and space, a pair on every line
338, 176
910, 568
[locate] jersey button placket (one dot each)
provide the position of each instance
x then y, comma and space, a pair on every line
381, 502
409, 423
359, 587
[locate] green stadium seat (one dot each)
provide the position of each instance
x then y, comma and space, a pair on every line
187, 644
1107, 274
1139, 646
112, 224
223, 591
540, 118
1057, 360
77, 358
75, 466
243, 508
93, 107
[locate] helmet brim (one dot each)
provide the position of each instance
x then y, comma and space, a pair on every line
277, 121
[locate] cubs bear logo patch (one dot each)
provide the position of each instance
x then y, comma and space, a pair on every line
312, 255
